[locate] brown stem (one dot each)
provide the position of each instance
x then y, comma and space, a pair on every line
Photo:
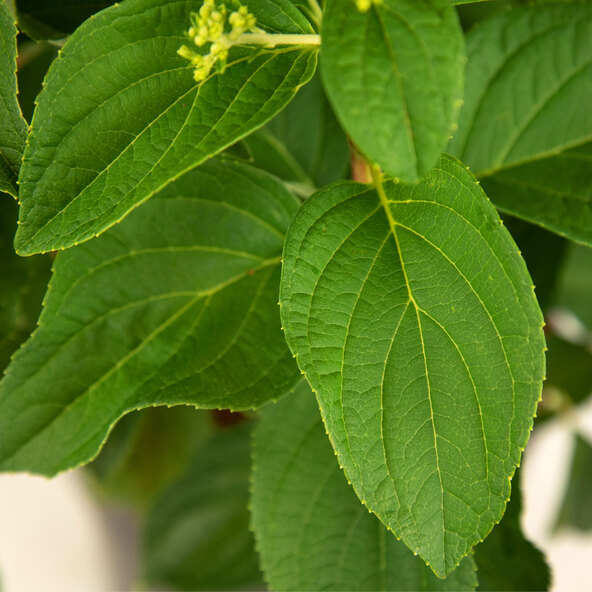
361, 170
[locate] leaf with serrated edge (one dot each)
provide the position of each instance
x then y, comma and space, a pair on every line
413, 317
394, 75
175, 305
13, 128
311, 530
121, 116
526, 126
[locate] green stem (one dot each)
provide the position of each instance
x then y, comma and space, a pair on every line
316, 12
274, 39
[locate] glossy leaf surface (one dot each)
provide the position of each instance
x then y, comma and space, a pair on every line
526, 126
427, 357
13, 128
177, 305
121, 116
311, 530
394, 75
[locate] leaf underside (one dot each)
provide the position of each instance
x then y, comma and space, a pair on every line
526, 126
175, 305
121, 116
311, 530
395, 77
414, 319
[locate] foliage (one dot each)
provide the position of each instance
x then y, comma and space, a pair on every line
186, 168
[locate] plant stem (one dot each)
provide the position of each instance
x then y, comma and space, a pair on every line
316, 12
274, 39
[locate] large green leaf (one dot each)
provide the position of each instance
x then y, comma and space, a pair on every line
197, 535
120, 115
413, 316
175, 305
311, 530
22, 285
526, 126
507, 561
394, 75
55, 19
13, 128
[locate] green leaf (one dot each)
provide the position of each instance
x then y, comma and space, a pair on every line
576, 509
413, 316
175, 305
544, 253
395, 77
311, 530
22, 285
506, 561
526, 126
13, 128
55, 19
311, 133
197, 535
146, 450
121, 115
575, 284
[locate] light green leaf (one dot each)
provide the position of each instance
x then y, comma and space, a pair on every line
413, 316
146, 451
507, 561
395, 77
13, 128
526, 126
576, 509
177, 305
121, 115
197, 535
311, 530
55, 19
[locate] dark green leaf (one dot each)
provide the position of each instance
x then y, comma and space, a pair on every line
576, 510
22, 285
55, 19
394, 75
13, 128
177, 305
146, 450
426, 355
311, 530
197, 535
526, 126
506, 561
121, 116
309, 130
575, 284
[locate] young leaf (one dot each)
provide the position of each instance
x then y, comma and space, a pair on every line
526, 126
507, 561
413, 316
197, 535
121, 115
576, 509
55, 19
311, 530
13, 128
175, 305
394, 75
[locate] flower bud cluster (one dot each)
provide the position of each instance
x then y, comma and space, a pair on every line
214, 25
